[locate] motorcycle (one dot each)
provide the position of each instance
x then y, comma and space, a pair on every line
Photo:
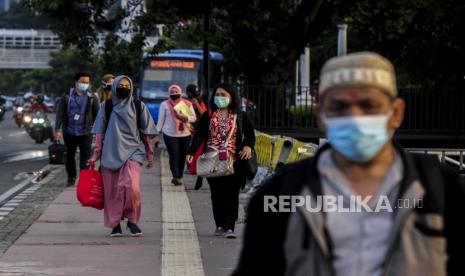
26, 120
2, 112
18, 115
40, 128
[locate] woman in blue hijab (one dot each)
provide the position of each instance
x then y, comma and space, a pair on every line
122, 154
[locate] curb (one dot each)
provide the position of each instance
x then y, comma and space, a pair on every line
17, 194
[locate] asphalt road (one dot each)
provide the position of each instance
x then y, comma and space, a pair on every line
19, 154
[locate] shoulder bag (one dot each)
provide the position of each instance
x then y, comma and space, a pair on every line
210, 164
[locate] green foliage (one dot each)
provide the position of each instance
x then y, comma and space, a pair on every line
121, 57
301, 110
9, 80
54, 81
65, 64
77, 22
424, 38
260, 39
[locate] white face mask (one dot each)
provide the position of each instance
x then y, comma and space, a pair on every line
358, 138
82, 87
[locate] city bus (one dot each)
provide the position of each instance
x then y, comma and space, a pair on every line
181, 67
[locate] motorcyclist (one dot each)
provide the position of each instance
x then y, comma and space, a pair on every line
2, 108
39, 105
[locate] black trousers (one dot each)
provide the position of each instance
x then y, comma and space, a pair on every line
225, 200
72, 142
177, 150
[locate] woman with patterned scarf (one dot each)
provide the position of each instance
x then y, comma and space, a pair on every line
214, 128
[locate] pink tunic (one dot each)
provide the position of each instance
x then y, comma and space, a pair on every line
122, 187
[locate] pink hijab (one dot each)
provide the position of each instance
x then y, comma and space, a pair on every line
177, 90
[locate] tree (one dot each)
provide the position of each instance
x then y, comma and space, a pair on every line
262, 38
424, 38
79, 25
9, 80
65, 64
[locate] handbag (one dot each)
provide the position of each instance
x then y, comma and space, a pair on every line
57, 153
90, 188
210, 164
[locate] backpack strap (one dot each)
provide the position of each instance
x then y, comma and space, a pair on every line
108, 110
432, 180
138, 105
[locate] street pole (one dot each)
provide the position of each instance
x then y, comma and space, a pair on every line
206, 52
342, 40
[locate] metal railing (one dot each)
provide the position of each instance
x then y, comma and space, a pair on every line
453, 157
280, 110
290, 111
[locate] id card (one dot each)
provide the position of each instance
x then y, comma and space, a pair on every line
77, 116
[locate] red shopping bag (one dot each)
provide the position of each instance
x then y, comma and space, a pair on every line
90, 188
193, 164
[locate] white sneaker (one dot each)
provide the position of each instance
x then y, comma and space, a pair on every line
230, 234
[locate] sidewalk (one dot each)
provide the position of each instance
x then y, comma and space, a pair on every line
68, 239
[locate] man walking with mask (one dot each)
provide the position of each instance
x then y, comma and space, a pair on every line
74, 119
418, 233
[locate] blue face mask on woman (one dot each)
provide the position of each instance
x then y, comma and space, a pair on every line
358, 138
221, 102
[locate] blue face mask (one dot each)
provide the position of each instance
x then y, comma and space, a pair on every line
221, 102
82, 87
358, 138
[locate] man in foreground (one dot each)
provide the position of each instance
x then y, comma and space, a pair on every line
409, 220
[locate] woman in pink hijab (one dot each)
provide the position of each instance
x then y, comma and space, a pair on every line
174, 123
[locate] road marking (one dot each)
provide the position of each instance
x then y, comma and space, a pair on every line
27, 155
14, 189
180, 244
14, 134
11, 204
8, 204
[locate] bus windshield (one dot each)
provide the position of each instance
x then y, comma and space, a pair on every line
156, 80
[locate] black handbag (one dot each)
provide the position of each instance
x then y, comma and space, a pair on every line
251, 166
57, 154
